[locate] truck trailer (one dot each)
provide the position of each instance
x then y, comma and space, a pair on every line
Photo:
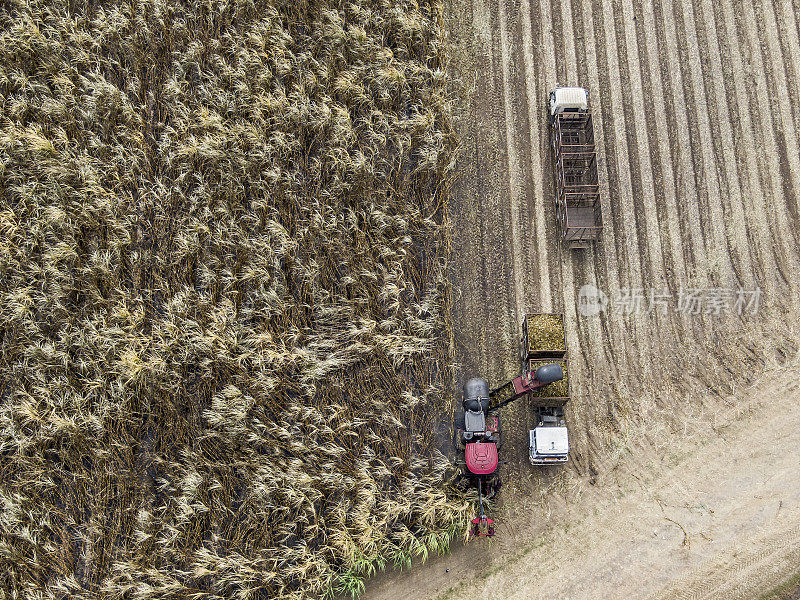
577, 192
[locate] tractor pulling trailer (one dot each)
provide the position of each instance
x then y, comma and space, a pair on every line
477, 426
575, 165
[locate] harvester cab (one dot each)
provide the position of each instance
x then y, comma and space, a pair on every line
475, 402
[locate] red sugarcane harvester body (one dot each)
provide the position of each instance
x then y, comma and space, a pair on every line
478, 433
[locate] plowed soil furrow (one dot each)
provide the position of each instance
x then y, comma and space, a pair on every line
686, 186
660, 151
703, 149
722, 136
788, 37
751, 227
750, 161
776, 175
696, 110
786, 133
639, 146
633, 253
570, 60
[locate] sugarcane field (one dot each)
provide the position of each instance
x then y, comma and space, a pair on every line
383, 299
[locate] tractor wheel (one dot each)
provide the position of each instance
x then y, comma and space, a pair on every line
458, 428
458, 420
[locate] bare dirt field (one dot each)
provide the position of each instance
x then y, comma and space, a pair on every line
697, 109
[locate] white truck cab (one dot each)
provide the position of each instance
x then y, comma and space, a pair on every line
569, 99
549, 443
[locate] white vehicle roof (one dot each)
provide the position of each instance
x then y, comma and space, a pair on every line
568, 97
549, 440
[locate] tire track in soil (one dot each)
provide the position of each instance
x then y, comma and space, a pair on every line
638, 342
697, 183
793, 6
750, 159
754, 567
788, 36
642, 179
604, 258
517, 193
677, 115
660, 156
497, 309
469, 264
566, 260
729, 99
539, 239
638, 145
481, 318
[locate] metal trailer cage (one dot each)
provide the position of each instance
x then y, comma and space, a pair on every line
577, 188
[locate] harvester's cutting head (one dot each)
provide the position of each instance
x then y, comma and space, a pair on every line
482, 525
